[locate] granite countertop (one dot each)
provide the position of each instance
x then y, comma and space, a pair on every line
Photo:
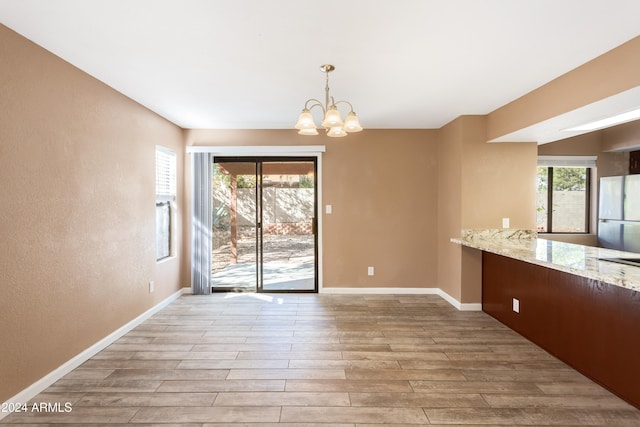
580, 260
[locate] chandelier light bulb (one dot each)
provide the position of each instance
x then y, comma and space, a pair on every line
332, 118
305, 121
351, 123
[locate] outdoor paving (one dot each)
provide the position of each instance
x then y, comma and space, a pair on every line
288, 264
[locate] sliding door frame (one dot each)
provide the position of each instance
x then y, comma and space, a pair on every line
259, 162
284, 153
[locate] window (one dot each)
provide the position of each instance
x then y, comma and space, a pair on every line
163, 230
563, 198
165, 194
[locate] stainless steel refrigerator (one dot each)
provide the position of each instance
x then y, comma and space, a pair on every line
619, 213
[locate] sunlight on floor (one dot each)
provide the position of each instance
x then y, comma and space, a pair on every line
261, 297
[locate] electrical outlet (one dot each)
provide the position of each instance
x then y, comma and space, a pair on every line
516, 305
505, 222
151, 286
370, 271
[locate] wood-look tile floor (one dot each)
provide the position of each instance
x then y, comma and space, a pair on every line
339, 360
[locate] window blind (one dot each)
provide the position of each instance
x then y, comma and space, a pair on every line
567, 161
165, 173
201, 223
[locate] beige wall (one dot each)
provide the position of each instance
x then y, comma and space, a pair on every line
587, 144
450, 154
609, 74
498, 179
382, 185
624, 137
479, 184
77, 217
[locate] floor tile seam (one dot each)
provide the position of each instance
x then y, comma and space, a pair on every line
134, 415
213, 402
483, 396
410, 382
541, 390
426, 415
447, 357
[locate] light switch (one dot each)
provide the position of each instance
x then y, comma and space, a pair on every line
328, 209
516, 305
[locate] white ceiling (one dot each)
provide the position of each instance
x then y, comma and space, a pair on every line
251, 64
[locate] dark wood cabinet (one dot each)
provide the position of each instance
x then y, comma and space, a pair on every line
590, 325
634, 162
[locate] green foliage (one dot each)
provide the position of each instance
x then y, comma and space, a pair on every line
569, 179
306, 181
564, 179
222, 179
542, 178
246, 181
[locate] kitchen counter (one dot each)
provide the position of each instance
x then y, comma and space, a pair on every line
580, 260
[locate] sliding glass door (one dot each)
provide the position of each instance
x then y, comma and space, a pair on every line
235, 226
264, 224
288, 202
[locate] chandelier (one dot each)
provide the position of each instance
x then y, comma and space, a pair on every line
332, 121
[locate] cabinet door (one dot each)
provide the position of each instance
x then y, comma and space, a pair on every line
634, 162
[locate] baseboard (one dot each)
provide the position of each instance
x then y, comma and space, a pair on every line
457, 304
402, 291
53, 376
406, 291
